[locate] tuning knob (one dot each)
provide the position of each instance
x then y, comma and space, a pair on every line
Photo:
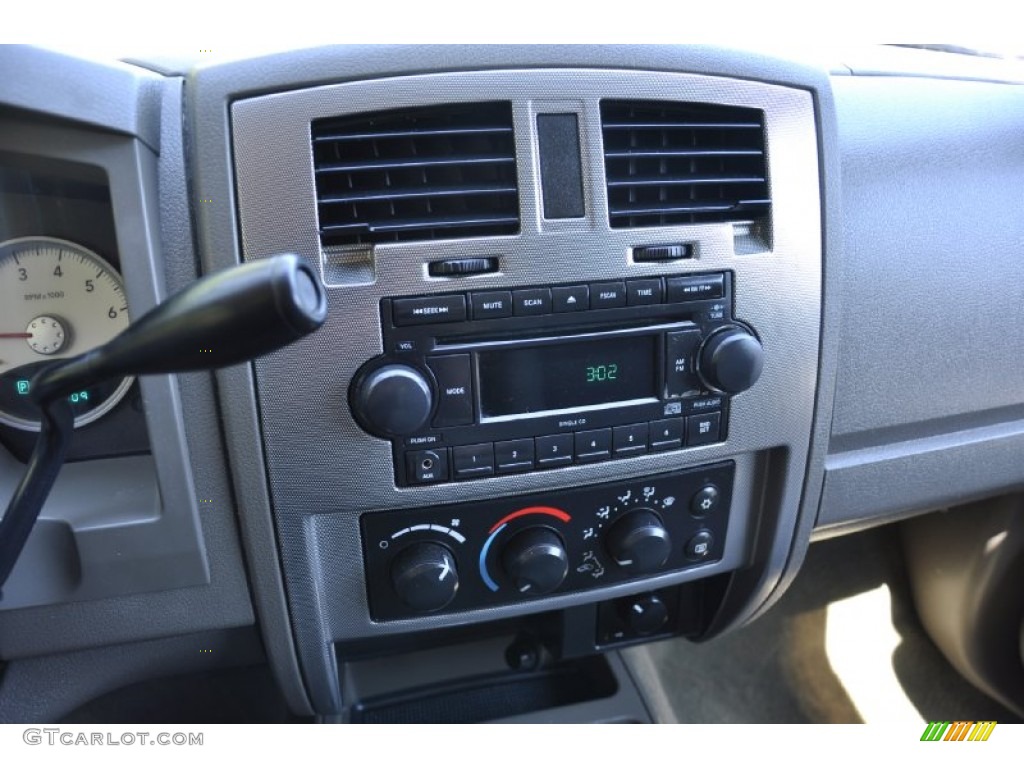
424, 576
393, 400
639, 542
731, 360
536, 561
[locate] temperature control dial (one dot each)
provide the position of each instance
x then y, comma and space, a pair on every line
536, 561
639, 542
425, 577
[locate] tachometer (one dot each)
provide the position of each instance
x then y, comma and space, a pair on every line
57, 299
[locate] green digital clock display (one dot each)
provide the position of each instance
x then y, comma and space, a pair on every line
574, 374
603, 372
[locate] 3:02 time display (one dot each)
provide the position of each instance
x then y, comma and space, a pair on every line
603, 372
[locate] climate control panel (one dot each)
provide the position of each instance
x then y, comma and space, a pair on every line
504, 551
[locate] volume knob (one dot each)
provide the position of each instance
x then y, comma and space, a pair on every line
731, 360
392, 400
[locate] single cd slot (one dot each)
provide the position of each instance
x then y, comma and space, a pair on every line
464, 343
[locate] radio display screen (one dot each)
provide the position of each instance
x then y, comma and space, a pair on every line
561, 376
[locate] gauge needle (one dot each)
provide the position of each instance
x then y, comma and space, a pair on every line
15, 335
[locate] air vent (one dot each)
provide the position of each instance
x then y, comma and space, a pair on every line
422, 174
670, 163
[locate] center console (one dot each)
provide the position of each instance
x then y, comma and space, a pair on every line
568, 380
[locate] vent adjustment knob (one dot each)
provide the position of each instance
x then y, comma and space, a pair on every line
731, 360
393, 400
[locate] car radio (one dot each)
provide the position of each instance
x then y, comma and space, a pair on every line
478, 383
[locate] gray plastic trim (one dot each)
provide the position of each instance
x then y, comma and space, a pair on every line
215, 88
928, 406
162, 536
110, 96
166, 538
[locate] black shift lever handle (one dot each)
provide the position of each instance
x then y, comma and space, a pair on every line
222, 319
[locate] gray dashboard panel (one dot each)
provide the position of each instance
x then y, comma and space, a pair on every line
928, 405
167, 539
309, 438
109, 96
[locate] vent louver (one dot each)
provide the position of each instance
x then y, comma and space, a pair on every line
420, 174
669, 163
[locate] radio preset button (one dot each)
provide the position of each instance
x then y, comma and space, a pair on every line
491, 304
607, 295
630, 440
640, 292
454, 390
472, 461
570, 298
695, 288
514, 455
703, 429
429, 309
680, 355
666, 434
427, 466
593, 445
554, 450
531, 301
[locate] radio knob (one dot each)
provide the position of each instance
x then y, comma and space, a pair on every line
424, 576
536, 561
394, 400
731, 360
639, 542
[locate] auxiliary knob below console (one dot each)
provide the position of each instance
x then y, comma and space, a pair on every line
504, 551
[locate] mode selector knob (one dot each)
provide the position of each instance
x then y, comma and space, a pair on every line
392, 400
424, 576
536, 561
639, 542
731, 360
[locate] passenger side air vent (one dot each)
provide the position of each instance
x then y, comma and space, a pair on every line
419, 174
669, 163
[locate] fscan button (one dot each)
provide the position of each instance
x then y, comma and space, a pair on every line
607, 295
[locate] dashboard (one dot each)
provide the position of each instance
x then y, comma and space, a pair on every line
614, 334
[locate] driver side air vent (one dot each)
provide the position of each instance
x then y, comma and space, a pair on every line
417, 174
669, 163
